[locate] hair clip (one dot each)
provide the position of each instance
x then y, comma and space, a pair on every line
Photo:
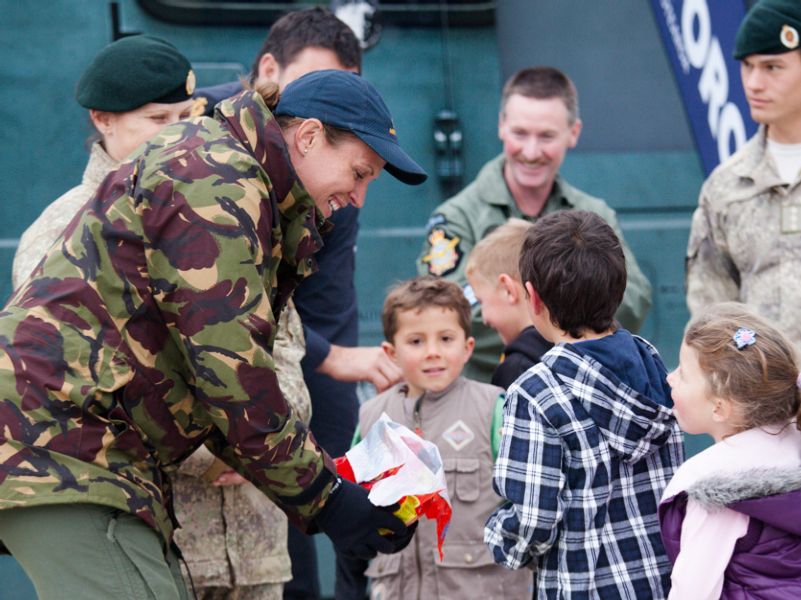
744, 337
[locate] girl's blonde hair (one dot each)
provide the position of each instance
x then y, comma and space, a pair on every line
759, 379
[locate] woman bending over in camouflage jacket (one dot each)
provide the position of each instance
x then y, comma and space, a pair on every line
148, 329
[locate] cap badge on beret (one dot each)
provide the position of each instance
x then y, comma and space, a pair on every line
789, 37
191, 81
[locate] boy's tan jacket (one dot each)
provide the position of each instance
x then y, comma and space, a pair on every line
458, 420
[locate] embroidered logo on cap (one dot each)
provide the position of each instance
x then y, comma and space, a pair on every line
190, 82
458, 435
789, 37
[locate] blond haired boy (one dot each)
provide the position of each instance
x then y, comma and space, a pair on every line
494, 276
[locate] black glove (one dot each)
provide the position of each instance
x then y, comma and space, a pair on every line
352, 522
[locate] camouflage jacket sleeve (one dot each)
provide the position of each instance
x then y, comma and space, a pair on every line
711, 275
215, 272
287, 354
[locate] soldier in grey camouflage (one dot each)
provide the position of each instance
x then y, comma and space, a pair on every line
148, 328
745, 239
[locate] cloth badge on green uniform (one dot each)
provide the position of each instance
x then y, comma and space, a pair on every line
444, 253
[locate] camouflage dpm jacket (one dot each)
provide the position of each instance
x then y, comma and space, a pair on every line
148, 329
745, 240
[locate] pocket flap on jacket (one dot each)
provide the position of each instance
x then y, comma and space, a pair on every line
463, 556
466, 465
384, 565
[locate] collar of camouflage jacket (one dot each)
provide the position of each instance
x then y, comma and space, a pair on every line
253, 125
757, 164
100, 164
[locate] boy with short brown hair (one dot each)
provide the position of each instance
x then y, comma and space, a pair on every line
427, 329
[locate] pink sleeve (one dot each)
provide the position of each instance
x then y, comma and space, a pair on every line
707, 543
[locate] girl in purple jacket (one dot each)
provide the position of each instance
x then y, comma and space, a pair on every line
731, 515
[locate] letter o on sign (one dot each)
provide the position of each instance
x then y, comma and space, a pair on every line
696, 47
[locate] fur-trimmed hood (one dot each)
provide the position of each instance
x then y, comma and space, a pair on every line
720, 490
755, 472
771, 495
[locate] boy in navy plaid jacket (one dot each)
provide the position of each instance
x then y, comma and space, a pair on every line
589, 440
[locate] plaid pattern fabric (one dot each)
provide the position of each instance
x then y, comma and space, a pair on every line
583, 462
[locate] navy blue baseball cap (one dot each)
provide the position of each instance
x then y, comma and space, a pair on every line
348, 101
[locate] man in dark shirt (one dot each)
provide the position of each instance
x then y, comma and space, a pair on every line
298, 43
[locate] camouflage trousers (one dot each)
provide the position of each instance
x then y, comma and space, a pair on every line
265, 591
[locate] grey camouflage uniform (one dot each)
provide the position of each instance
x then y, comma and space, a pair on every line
46, 229
745, 240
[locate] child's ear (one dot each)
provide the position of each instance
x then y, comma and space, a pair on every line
389, 350
534, 299
511, 288
470, 343
723, 411
268, 68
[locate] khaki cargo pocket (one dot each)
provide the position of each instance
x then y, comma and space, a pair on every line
468, 571
467, 479
466, 555
463, 478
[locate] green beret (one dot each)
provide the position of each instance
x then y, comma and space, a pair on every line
770, 27
133, 71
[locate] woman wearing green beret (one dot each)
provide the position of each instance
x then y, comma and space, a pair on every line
133, 88
148, 330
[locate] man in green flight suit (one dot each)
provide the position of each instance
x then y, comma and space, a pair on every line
538, 123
